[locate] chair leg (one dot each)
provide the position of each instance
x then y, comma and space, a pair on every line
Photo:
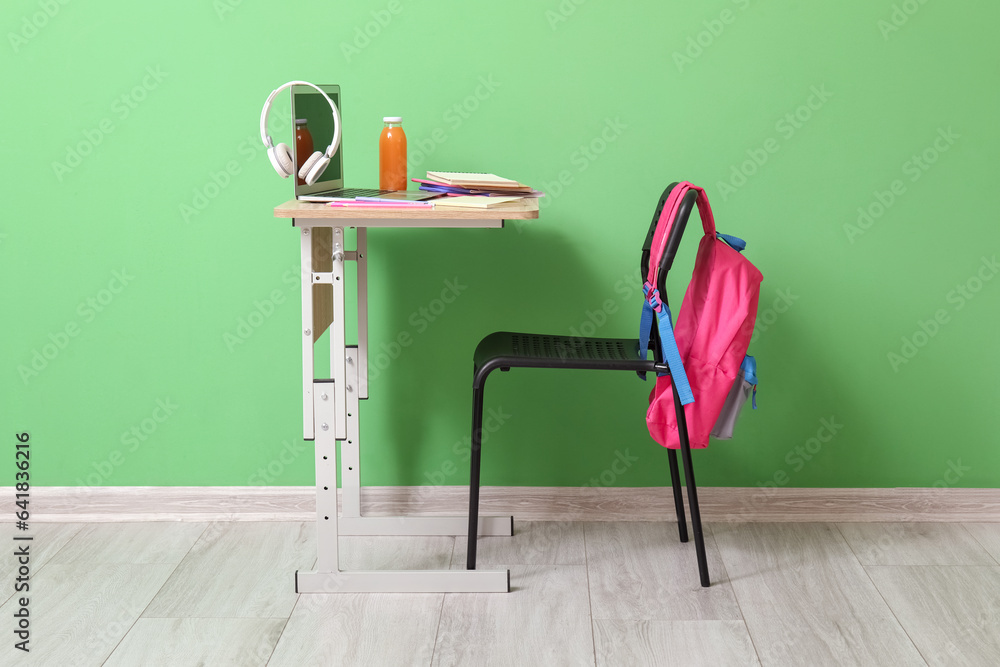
678, 497
699, 539
474, 468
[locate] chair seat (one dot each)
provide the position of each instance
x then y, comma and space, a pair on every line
505, 349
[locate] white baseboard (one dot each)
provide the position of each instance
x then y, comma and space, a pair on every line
529, 503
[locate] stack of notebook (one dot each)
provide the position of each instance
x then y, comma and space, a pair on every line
475, 190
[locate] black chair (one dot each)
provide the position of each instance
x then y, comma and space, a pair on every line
506, 350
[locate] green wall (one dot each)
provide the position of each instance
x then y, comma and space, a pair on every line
852, 144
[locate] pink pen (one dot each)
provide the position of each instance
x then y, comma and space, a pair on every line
367, 204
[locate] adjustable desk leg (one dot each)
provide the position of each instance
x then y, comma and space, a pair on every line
328, 577
350, 454
331, 415
362, 262
326, 479
308, 422
357, 388
338, 342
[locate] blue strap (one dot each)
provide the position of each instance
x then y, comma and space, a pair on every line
645, 326
749, 368
668, 344
672, 356
650, 304
735, 242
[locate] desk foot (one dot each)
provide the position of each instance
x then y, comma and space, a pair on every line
404, 581
499, 526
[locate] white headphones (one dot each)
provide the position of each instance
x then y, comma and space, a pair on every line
281, 156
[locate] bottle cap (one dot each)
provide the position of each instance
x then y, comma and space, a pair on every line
300, 121
392, 119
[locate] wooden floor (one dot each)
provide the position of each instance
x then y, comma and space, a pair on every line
583, 594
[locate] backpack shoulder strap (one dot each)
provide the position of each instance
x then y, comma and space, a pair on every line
653, 307
667, 218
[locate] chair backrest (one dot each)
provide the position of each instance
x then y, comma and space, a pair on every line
667, 259
673, 241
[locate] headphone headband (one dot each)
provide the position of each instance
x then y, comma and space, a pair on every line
334, 143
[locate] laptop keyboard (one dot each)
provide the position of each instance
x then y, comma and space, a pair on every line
359, 192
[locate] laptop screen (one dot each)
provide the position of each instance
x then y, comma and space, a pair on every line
309, 106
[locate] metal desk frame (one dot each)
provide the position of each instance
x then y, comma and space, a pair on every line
330, 406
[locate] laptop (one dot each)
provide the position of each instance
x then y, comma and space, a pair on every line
309, 106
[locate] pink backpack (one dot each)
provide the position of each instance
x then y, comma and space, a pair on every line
707, 352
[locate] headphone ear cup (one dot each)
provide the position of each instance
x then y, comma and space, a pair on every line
308, 164
281, 160
316, 169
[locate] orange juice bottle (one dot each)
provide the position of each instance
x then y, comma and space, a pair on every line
303, 145
392, 155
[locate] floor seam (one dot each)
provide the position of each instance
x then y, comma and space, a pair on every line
736, 596
270, 656
888, 606
980, 543
437, 629
590, 599
158, 591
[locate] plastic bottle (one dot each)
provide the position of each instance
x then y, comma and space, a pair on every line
303, 145
392, 155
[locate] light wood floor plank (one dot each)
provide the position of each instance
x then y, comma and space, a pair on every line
641, 571
682, 643
914, 544
952, 613
805, 597
179, 642
396, 552
544, 620
353, 629
360, 629
533, 543
80, 611
988, 535
153, 542
238, 570
47, 540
